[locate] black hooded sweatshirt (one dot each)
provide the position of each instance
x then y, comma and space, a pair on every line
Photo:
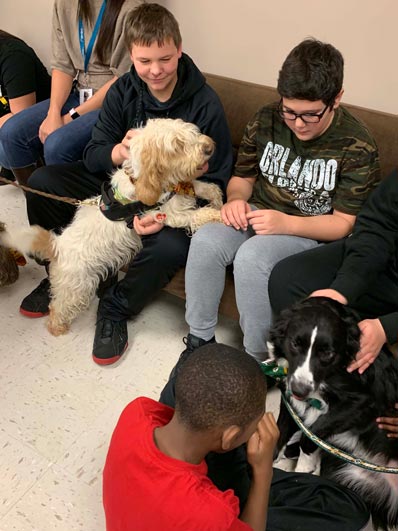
129, 104
373, 250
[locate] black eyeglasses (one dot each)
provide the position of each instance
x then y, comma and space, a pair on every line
306, 117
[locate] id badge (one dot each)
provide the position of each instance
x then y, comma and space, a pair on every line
85, 94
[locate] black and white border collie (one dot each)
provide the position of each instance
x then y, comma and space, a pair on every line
319, 338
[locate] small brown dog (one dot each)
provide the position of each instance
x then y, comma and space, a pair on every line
8, 265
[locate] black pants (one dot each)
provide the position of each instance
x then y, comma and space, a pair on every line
161, 257
298, 502
297, 276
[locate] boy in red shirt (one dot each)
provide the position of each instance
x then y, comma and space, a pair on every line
156, 478
155, 475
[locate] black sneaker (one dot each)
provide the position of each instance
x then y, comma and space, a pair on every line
36, 303
110, 340
167, 396
192, 343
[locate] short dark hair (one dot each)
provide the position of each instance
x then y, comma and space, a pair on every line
219, 386
312, 71
149, 23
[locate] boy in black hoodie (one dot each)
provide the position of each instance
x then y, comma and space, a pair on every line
162, 82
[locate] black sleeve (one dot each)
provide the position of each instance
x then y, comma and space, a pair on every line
372, 248
389, 322
109, 130
18, 74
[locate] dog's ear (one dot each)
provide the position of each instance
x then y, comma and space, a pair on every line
148, 186
277, 333
350, 318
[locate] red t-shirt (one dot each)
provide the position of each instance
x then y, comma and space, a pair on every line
145, 490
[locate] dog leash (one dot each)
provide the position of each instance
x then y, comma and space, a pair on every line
109, 200
69, 200
278, 372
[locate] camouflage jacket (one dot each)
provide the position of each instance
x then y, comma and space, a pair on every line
337, 170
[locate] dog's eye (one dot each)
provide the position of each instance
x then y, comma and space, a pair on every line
295, 343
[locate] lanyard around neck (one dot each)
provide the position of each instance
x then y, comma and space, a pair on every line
86, 54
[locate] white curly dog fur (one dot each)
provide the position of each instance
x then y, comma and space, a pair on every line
165, 153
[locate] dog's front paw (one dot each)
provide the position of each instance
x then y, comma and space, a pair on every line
309, 463
288, 465
56, 328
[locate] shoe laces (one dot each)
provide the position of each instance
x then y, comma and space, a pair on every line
106, 328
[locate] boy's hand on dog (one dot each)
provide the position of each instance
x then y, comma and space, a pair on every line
121, 152
372, 339
389, 424
261, 445
146, 225
331, 294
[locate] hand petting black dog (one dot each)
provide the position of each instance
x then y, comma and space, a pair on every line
320, 339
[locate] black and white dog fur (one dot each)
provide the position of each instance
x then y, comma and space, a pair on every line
319, 338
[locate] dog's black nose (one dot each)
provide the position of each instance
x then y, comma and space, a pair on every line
300, 390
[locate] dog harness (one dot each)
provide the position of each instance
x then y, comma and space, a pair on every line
116, 207
271, 369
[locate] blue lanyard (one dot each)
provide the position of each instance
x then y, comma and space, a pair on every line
86, 54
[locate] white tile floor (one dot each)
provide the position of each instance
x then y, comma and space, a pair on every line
58, 408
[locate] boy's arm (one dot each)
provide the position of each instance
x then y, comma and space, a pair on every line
19, 81
260, 450
109, 130
328, 227
371, 248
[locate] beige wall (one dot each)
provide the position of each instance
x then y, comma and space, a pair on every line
30, 20
249, 39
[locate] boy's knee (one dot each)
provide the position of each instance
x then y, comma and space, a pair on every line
205, 243
283, 291
249, 262
8, 131
169, 248
54, 149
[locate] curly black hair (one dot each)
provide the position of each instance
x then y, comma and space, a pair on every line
312, 71
219, 386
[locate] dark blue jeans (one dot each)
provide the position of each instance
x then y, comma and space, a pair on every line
20, 145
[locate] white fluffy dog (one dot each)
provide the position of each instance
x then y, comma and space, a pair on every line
164, 154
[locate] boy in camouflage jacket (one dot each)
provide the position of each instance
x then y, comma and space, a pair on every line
304, 168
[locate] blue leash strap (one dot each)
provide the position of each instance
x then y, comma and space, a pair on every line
86, 54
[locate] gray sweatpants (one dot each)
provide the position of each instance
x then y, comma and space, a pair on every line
212, 249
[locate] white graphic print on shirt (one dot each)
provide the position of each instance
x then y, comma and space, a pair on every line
309, 180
